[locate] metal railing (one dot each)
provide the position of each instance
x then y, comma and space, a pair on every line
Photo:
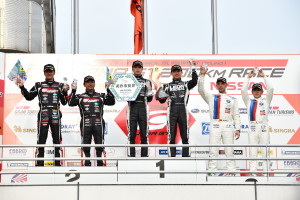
267, 159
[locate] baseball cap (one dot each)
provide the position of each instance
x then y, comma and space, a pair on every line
137, 63
49, 67
221, 79
257, 86
176, 67
87, 78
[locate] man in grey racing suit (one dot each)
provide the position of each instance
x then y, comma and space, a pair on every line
225, 119
257, 109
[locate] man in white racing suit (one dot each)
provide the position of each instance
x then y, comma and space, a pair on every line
225, 120
257, 109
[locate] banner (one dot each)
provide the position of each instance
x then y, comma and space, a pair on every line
20, 115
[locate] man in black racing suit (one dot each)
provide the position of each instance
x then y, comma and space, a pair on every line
138, 111
91, 105
177, 113
49, 93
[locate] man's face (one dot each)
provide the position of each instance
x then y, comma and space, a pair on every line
221, 87
49, 74
137, 70
257, 93
176, 74
89, 85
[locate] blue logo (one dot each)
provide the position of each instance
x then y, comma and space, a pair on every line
165, 152
195, 110
205, 128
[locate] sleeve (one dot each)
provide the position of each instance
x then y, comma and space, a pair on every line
201, 89
74, 99
109, 98
236, 115
31, 94
62, 94
192, 83
150, 98
244, 91
270, 90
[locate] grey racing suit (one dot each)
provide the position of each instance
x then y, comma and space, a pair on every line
258, 109
225, 119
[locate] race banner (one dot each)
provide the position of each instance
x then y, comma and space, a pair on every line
20, 116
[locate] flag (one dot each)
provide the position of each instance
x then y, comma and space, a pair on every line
108, 75
19, 178
155, 75
136, 9
17, 72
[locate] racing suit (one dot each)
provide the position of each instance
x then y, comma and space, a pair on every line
138, 114
177, 112
92, 124
49, 94
258, 110
225, 119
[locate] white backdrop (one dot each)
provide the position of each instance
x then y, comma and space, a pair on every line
20, 115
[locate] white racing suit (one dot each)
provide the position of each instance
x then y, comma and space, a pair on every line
258, 110
225, 119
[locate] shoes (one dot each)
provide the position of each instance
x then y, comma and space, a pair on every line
231, 174
211, 174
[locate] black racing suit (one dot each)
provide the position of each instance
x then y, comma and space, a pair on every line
92, 124
177, 113
49, 94
138, 114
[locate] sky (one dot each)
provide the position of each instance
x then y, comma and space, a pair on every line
183, 27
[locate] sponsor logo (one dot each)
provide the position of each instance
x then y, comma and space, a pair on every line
90, 100
19, 178
274, 110
166, 152
195, 110
112, 111
281, 130
18, 164
110, 151
19, 129
17, 152
235, 152
205, 128
49, 151
1, 94
259, 152
200, 152
49, 90
243, 110
48, 164
26, 112
292, 163
285, 152
176, 88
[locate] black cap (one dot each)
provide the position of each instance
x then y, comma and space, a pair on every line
176, 67
49, 67
87, 78
137, 63
257, 86
221, 79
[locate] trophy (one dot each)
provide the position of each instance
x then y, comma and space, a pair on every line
149, 92
65, 82
161, 94
193, 67
204, 66
74, 84
256, 69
